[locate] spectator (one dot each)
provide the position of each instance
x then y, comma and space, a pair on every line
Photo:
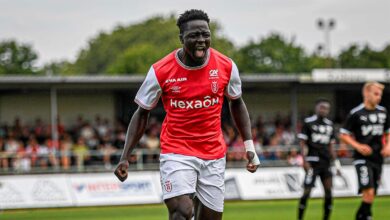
32, 150
66, 144
22, 162
294, 158
81, 153
343, 151
288, 136
102, 127
237, 149
107, 150
87, 132
152, 144
12, 146
52, 147
3, 155
39, 130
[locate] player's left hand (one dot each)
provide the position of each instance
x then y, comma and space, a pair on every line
250, 166
386, 151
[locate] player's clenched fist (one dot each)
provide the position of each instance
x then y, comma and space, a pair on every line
121, 170
364, 149
251, 167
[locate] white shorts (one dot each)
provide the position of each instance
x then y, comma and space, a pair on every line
182, 175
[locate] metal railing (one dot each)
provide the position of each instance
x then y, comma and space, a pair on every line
141, 159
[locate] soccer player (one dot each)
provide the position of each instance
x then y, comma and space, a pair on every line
363, 130
318, 136
192, 82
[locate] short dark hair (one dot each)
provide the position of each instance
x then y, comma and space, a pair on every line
190, 15
320, 100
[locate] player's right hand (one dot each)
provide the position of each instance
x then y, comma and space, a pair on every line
121, 170
364, 149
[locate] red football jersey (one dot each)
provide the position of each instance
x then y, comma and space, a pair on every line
192, 98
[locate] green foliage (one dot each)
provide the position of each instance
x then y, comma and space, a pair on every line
273, 54
316, 61
130, 49
16, 58
364, 57
133, 48
58, 67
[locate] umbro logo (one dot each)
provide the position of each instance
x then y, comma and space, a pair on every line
175, 89
363, 118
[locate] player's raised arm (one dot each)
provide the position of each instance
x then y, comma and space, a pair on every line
134, 133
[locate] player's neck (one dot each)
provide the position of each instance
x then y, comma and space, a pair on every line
369, 106
188, 61
320, 117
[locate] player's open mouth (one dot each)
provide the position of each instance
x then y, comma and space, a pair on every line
200, 52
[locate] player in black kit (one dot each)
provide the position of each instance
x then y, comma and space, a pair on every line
318, 136
363, 130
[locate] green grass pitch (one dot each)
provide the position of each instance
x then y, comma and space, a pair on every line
344, 208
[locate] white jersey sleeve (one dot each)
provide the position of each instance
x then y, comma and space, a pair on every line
233, 90
150, 91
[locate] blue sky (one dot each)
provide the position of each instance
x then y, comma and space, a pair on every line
58, 29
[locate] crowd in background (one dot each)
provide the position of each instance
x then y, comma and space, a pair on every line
99, 143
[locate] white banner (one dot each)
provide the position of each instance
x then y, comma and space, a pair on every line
105, 188
61, 190
350, 75
287, 182
33, 191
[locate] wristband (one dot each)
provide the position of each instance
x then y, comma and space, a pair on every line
337, 164
249, 146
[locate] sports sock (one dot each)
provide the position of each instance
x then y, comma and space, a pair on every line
302, 207
364, 211
327, 207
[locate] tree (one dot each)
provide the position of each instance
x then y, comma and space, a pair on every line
63, 67
133, 48
356, 56
273, 54
17, 58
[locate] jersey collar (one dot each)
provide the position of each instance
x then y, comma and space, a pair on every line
192, 67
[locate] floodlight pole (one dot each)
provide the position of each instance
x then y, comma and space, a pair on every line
326, 26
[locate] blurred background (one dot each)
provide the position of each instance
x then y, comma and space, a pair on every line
69, 71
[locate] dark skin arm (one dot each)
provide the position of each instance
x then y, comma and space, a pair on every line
333, 154
302, 144
134, 133
241, 118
